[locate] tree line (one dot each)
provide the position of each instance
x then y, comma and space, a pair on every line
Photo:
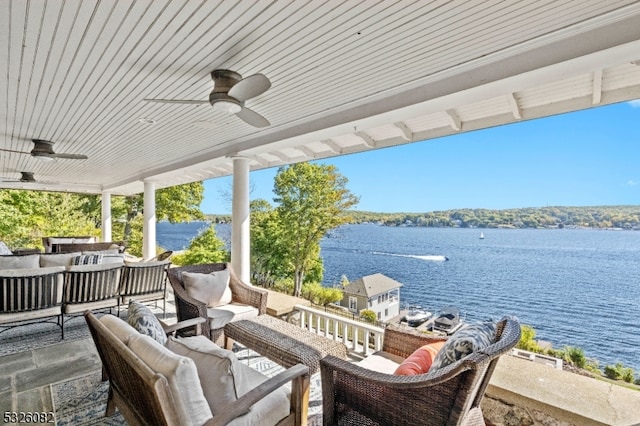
623, 217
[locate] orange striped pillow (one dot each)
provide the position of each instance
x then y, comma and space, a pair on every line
420, 361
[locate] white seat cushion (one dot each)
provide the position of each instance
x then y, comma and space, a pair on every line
270, 409
57, 259
182, 375
224, 379
221, 315
381, 362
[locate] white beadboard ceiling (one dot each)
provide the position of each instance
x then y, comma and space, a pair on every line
347, 76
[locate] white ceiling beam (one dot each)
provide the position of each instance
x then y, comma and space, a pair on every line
406, 133
516, 110
454, 119
368, 140
306, 151
284, 158
261, 161
597, 87
333, 147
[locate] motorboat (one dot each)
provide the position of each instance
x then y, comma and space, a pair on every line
448, 320
417, 316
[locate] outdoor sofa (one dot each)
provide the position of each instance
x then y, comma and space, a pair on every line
48, 287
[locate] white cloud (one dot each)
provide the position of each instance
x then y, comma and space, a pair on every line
632, 183
635, 103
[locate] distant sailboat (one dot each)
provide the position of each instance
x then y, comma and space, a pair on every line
482, 236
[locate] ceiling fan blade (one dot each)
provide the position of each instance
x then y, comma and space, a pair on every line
252, 118
250, 87
177, 101
11, 150
70, 156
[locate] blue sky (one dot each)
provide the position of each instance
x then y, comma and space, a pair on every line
584, 158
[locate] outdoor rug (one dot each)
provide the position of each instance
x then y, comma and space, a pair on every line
34, 336
83, 400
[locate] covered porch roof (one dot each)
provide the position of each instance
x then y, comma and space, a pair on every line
346, 77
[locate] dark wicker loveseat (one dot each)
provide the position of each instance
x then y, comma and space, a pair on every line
353, 395
187, 307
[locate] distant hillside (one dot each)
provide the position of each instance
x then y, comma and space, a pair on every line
624, 217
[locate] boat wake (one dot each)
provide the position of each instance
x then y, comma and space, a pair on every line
432, 258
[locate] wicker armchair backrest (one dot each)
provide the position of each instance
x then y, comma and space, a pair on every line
142, 395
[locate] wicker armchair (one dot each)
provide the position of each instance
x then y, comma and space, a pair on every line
144, 282
146, 397
187, 307
353, 395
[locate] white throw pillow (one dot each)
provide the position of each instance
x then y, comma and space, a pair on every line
220, 372
57, 259
119, 328
4, 250
212, 289
181, 374
30, 261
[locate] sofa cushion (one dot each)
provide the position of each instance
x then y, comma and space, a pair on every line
212, 289
181, 373
222, 378
382, 362
4, 250
144, 321
120, 328
221, 315
270, 409
469, 338
20, 262
57, 259
113, 258
420, 361
87, 259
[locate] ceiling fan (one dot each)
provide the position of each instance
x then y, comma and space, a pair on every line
44, 150
26, 177
230, 91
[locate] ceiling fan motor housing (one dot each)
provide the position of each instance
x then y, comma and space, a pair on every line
223, 81
42, 148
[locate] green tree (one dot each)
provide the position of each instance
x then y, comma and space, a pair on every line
312, 199
320, 295
27, 216
527, 339
369, 316
206, 247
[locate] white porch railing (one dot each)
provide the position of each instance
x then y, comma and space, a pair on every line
354, 334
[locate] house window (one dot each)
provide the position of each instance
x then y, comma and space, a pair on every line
386, 313
353, 304
379, 316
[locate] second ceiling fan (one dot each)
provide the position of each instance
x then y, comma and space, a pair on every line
230, 91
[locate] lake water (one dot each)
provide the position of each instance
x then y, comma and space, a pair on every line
576, 287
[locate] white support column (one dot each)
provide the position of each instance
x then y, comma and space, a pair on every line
240, 219
149, 226
106, 216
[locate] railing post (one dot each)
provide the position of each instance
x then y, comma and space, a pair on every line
311, 318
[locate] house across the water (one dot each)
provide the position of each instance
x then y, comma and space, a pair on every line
376, 292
